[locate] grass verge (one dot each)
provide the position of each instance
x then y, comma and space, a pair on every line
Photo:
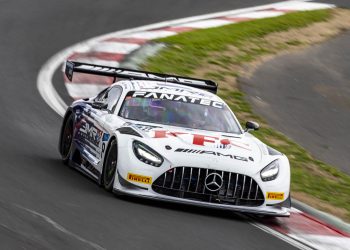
223, 54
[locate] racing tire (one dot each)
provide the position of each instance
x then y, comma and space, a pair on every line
110, 166
67, 139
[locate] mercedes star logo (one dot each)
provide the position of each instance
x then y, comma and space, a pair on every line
213, 182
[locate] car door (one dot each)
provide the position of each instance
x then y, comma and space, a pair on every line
93, 133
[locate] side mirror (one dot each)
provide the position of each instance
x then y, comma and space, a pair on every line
250, 125
99, 105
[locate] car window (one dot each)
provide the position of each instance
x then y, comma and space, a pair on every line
110, 96
101, 96
205, 114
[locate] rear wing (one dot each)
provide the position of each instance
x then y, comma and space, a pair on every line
79, 67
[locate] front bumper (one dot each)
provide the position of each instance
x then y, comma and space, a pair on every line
136, 178
127, 188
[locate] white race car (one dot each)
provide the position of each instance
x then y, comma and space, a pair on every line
169, 138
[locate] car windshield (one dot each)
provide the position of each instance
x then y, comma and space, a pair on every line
179, 110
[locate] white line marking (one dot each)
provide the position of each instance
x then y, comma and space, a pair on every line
149, 35
325, 242
206, 24
115, 47
97, 61
44, 79
60, 228
260, 14
295, 210
45, 85
281, 236
302, 5
83, 90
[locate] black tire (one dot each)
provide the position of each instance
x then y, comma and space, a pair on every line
66, 139
110, 166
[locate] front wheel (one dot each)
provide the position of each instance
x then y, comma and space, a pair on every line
66, 139
110, 166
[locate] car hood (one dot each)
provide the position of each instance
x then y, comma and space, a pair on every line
191, 147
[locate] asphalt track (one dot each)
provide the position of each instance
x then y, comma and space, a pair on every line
46, 205
306, 95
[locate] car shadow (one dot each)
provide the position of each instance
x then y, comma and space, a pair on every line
80, 181
70, 176
186, 208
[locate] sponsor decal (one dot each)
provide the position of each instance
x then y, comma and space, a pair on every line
145, 128
179, 98
275, 195
89, 150
182, 90
88, 132
209, 152
105, 137
139, 178
138, 74
202, 140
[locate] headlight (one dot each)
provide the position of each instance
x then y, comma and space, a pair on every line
270, 172
146, 154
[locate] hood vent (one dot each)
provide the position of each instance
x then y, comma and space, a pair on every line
129, 131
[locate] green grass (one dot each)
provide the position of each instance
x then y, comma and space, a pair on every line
190, 51
309, 175
187, 50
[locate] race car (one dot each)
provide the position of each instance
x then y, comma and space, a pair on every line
171, 138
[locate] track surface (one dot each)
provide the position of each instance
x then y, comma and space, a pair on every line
306, 95
44, 204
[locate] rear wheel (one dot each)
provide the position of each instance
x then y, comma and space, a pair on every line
66, 139
110, 166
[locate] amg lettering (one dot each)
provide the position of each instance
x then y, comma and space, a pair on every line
219, 154
208, 152
241, 158
179, 150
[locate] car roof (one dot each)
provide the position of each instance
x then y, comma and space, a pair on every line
166, 87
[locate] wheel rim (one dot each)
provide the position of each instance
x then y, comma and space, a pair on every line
67, 138
110, 166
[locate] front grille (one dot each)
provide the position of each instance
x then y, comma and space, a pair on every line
189, 183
